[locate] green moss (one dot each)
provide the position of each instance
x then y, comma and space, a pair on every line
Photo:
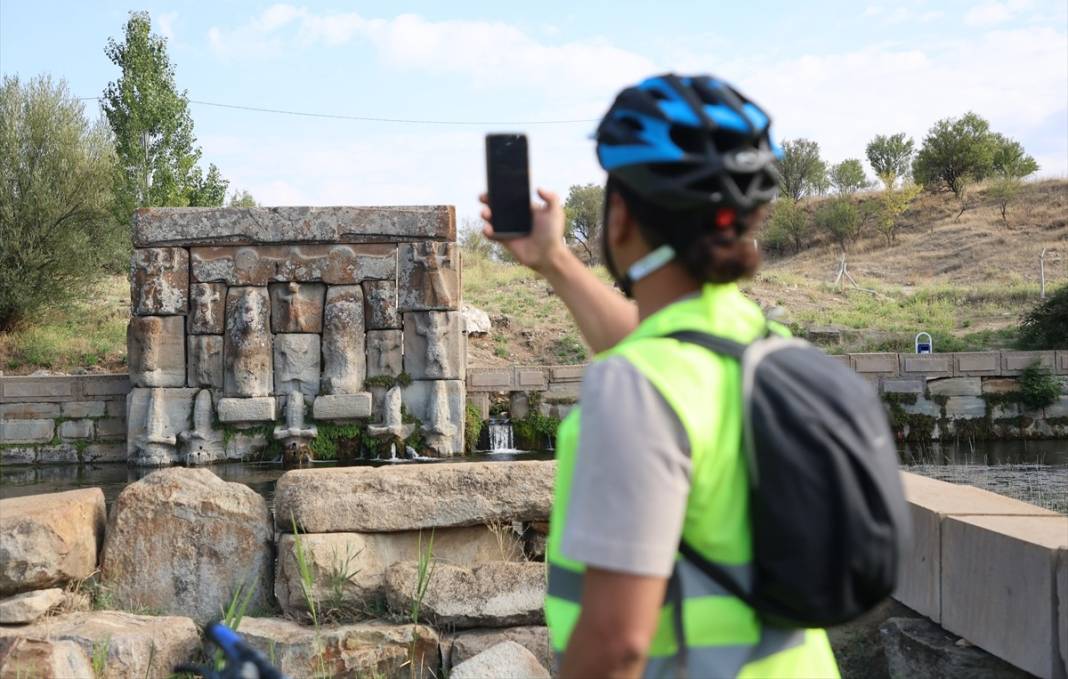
472, 427
388, 381
273, 447
535, 430
335, 441
893, 398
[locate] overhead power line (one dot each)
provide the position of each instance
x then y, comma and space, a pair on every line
373, 119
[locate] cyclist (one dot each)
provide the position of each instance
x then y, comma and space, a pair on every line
653, 452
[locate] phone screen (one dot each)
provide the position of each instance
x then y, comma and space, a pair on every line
508, 184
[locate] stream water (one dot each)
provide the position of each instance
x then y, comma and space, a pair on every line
1033, 471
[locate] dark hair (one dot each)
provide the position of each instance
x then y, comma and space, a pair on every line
710, 254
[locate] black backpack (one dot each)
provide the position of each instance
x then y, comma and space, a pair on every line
827, 509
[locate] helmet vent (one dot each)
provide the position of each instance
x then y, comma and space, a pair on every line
689, 139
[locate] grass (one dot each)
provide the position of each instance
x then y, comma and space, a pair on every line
99, 659
425, 571
307, 586
78, 334
233, 613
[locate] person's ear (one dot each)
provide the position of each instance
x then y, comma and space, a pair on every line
620, 225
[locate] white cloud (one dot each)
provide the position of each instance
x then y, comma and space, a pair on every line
992, 12
165, 24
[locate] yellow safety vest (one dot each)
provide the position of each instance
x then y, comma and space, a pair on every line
722, 636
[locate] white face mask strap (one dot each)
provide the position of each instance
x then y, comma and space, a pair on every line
653, 261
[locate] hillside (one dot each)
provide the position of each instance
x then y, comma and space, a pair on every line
966, 281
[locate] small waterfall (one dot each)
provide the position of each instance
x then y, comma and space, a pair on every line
500, 437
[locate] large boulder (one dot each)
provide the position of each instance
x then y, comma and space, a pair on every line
348, 569
411, 497
42, 659
24, 608
506, 660
49, 539
181, 541
129, 645
373, 649
476, 321
494, 594
469, 643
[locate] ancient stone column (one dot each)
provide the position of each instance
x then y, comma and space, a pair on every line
155, 347
429, 278
296, 363
159, 281
206, 301
433, 345
202, 444
247, 343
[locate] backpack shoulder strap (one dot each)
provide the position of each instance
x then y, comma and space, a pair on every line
719, 345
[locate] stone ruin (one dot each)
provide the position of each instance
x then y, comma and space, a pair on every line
270, 322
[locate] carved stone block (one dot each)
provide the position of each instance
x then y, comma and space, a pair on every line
159, 281
261, 409
380, 305
342, 406
333, 264
434, 345
206, 303
203, 444
154, 418
155, 347
428, 276
344, 357
384, 353
297, 307
204, 361
439, 405
296, 363
247, 343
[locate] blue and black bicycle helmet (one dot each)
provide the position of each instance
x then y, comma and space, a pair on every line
686, 142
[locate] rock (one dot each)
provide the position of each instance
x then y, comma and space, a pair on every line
366, 556
332, 264
469, 643
133, 645
493, 594
195, 225
965, 407
155, 417
344, 353
384, 354
204, 366
440, 406
917, 647
380, 305
76, 429
262, 409
506, 660
342, 407
27, 431
159, 281
296, 364
202, 536
428, 276
476, 321
372, 649
42, 659
29, 411
956, 386
247, 343
411, 497
297, 307
156, 351
105, 452
433, 346
24, 608
76, 409
206, 306
49, 539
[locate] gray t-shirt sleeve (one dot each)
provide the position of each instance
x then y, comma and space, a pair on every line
632, 475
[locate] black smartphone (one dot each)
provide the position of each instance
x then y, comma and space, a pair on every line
508, 184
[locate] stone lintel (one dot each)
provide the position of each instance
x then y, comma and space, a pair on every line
272, 225
260, 409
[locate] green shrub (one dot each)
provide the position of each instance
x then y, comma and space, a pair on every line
472, 427
56, 223
1046, 325
1038, 388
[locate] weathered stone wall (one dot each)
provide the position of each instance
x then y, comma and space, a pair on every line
247, 318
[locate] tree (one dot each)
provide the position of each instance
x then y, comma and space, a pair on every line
1046, 325
890, 157
241, 199
801, 169
891, 204
787, 224
820, 182
56, 171
955, 153
840, 219
848, 176
1010, 159
153, 131
583, 211
1003, 190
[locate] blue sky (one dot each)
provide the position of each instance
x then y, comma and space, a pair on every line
836, 72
